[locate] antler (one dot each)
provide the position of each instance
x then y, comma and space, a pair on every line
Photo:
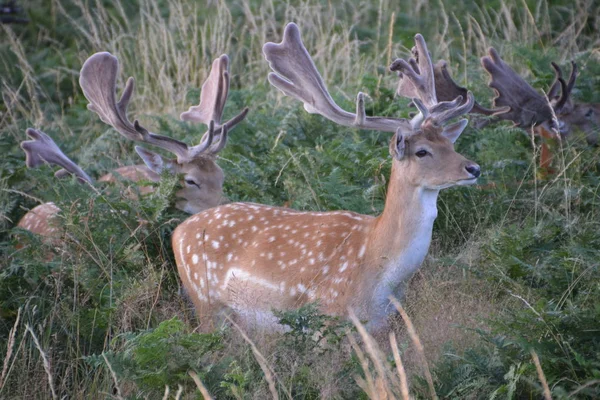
296, 76
515, 99
98, 81
419, 81
447, 89
42, 150
562, 103
213, 98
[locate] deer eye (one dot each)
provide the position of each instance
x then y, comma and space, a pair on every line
421, 153
191, 182
589, 113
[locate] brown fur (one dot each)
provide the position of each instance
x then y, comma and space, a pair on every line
584, 117
41, 220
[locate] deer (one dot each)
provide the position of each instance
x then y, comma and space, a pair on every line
520, 103
246, 259
551, 116
554, 115
582, 116
202, 178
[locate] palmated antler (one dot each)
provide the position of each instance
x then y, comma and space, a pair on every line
418, 82
296, 76
42, 150
98, 81
213, 97
515, 99
447, 89
563, 102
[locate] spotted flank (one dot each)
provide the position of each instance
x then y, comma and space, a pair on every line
251, 255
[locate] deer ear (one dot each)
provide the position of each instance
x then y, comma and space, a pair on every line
397, 146
452, 132
155, 161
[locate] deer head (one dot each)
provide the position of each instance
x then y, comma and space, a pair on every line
202, 177
251, 258
582, 116
202, 184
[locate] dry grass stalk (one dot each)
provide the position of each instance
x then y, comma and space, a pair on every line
262, 361
10, 348
45, 361
541, 376
367, 385
179, 392
417, 342
200, 385
584, 386
399, 367
114, 377
390, 43
382, 388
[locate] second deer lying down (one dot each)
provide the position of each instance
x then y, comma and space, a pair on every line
202, 185
253, 258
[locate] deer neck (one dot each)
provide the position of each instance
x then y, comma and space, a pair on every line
402, 233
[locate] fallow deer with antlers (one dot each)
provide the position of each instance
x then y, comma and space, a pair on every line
551, 116
516, 101
202, 177
253, 258
582, 116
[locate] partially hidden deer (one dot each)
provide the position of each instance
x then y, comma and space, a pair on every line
252, 258
573, 115
551, 116
202, 178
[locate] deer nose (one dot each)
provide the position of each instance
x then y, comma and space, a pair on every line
473, 169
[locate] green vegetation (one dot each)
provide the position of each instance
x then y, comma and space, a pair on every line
514, 268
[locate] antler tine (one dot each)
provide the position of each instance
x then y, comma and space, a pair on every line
296, 76
206, 141
419, 81
453, 112
43, 150
418, 71
566, 88
515, 99
423, 58
556, 85
213, 97
573, 76
222, 141
98, 81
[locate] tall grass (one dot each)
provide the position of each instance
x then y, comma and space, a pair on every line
513, 267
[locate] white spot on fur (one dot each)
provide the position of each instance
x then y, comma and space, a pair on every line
361, 253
